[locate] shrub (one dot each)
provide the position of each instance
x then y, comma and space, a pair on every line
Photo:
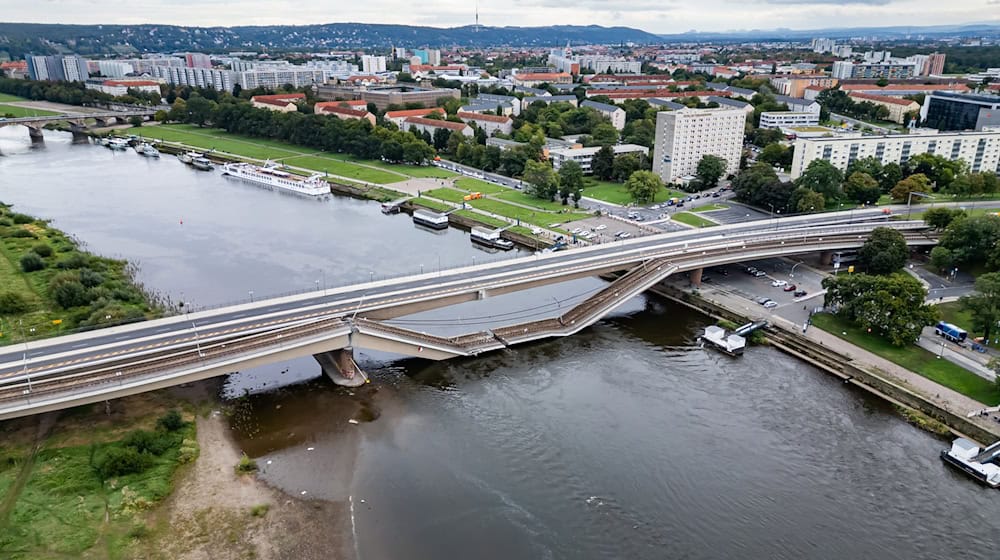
171, 421
43, 250
188, 451
76, 260
6, 222
154, 443
12, 303
70, 294
246, 465
121, 461
31, 262
21, 232
90, 279
21, 218
259, 510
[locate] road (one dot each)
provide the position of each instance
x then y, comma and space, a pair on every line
862, 124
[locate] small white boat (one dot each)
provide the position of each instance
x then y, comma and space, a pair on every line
188, 157
980, 464
118, 144
147, 150
202, 163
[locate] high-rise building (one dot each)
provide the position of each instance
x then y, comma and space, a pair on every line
980, 150
222, 80
428, 56
685, 135
57, 68
277, 76
197, 60
114, 68
960, 111
74, 69
935, 64
372, 64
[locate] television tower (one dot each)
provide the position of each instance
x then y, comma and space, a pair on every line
477, 16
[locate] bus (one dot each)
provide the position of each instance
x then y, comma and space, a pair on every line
951, 332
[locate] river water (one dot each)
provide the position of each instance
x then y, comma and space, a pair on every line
624, 441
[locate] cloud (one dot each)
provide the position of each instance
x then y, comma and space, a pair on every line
829, 2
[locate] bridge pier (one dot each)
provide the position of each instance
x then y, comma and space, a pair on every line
695, 277
826, 258
36, 134
340, 367
79, 134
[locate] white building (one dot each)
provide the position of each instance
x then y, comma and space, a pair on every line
613, 112
277, 76
685, 135
491, 124
75, 69
119, 88
114, 68
585, 156
980, 150
778, 119
222, 80
372, 64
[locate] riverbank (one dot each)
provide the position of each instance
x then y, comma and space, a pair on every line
50, 286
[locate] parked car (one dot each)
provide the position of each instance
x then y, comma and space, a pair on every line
536, 230
751, 269
601, 227
762, 300
779, 283
625, 234
760, 273
654, 207
770, 305
680, 205
789, 288
800, 293
576, 231
716, 195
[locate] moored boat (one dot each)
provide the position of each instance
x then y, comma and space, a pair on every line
146, 149
202, 163
490, 238
117, 144
980, 464
188, 157
430, 219
270, 176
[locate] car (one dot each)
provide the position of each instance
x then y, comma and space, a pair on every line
770, 305
759, 273
555, 225
697, 196
601, 227
680, 205
762, 300
779, 283
790, 288
586, 235
654, 207
619, 233
576, 231
625, 234
638, 218
800, 293
716, 195
751, 269
536, 230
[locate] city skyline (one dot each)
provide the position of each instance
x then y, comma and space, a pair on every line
670, 16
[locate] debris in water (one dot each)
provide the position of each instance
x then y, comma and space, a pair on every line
310, 448
352, 421
268, 461
303, 492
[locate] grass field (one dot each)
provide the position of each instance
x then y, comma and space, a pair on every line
11, 111
954, 314
914, 359
5, 97
476, 185
709, 207
537, 217
535, 202
615, 193
693, 220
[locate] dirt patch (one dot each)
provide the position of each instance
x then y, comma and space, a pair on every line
218, 515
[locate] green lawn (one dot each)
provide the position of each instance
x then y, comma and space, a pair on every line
4, 97
473, 185
536, 217
12, 111
709, 207
693, 220
615, 193
914, 359
519, 197
954, 314
432, 204
325, 163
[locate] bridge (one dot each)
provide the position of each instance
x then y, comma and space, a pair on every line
77, 121
117, 361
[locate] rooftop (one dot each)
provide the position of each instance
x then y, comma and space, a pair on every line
881, 98
481, 117
436, 123
413, 113
542, 76
604, 107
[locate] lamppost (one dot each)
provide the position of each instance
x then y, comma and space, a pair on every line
251, 295
197, 340
909, 198
371, 275
24, 371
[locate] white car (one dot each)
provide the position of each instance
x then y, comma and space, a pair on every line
770, 304
654, 207
625, 234
536, 230
586, 235
779, 283
576, 231
601, 227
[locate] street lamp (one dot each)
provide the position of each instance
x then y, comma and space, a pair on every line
251, 295
909, 198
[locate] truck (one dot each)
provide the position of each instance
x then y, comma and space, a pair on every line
473, 196
950, 332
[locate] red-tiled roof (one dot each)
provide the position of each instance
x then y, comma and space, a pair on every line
413, 113
436, 123
364, 78
290, 97
352, 104
15, 65
641, 94
481, 117
347, 111
880, 98
429, 68
816, 88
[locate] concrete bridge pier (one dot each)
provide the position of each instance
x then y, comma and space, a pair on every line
826, 258
340, 367
36, 135
79, 134
695, 277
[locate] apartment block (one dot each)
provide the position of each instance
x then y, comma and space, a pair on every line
685, 135
585, 156
780, 119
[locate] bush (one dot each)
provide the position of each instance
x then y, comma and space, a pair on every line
12, 303
188, 451
43, 250
121, 461
246, 465
31, 262
21, 232
21, 218
91, 279
154, 443
259, 510
74, 261
70, 294
171, 421
6, 222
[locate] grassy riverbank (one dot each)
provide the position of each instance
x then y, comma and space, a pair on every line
84, 486
615, 193
49, 286
693, 220
913, 358
13, 111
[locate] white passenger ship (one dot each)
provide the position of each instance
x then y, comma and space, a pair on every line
270, 176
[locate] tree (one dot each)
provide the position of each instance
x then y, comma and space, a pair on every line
570, 179
710, 170
809, 201
776, 155
971, 239
870, 165
940, 218
942, 258
624, 166
884, 252
603, 163
440, 138
891, 174
890, 306
13, 303
822, 177
135, 120
199, 110
542, 178
604, 135
643, 186
984, 303
392, 151
862, 188
914, 183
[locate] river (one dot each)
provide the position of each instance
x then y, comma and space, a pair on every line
624, 441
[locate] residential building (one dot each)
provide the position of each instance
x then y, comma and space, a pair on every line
779, 119
281, 102
491, 124
980, 150
898, 108
685, 135
800, 105
532, 79
197, 60
428, 56
731, 91
585, 156
114, 68
222, 80
121, 87
346, 113
549, 99
508, 104
935, 64
955, 111
823, 45
795, 85
273, 77
903, 90
843, 70
613, 112
665, 105
17, 69
57, 68
74, 69
431, 126
372, 64
727, 102
382, 97
397, 117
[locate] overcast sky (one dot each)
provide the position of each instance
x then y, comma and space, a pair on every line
658, 16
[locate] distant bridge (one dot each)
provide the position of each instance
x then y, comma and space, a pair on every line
90, 367
78, 121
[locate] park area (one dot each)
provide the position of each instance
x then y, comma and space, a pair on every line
615, 193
